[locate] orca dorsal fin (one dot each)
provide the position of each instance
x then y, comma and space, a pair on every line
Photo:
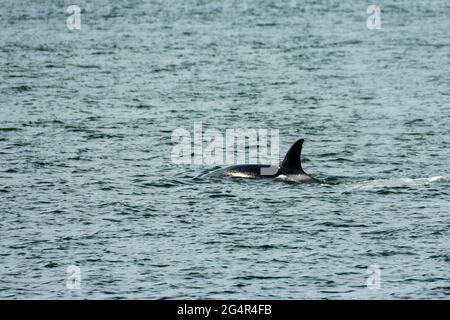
292, 162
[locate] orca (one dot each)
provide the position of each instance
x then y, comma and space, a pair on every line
290, 168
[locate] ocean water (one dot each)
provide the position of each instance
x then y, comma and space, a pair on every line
87, 182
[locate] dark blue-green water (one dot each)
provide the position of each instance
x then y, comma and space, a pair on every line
86, 177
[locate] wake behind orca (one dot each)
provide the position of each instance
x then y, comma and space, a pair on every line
290, 167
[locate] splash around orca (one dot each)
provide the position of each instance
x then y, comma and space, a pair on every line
290, 168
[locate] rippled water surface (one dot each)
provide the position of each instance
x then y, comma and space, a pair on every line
86, 177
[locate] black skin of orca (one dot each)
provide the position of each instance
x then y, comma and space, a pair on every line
291, 167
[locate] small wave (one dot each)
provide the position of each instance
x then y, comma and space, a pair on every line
438, 179
420, 181
397, 183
